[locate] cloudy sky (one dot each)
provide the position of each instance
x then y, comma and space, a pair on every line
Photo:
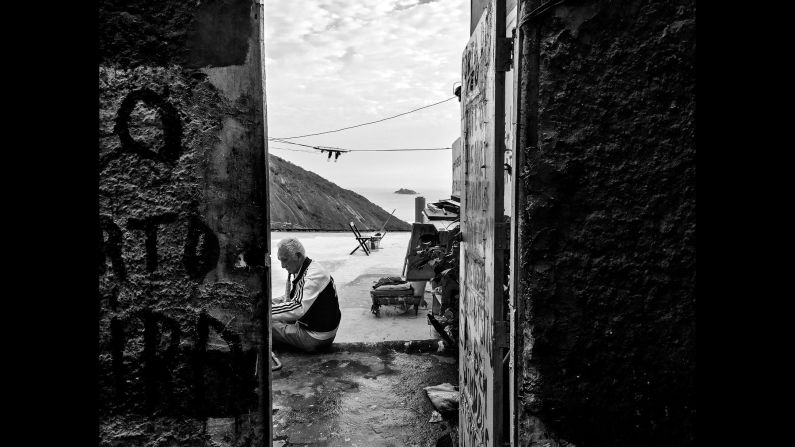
338, 63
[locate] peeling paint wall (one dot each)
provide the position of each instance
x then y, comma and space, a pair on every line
458, 177
183, 249
607, 224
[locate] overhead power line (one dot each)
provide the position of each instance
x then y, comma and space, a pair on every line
289, 149
318, 147
402, 149
368, 123
339, 149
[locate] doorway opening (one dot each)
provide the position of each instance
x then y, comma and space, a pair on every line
374, 376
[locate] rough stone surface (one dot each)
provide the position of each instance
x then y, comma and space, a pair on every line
184, 237
608, 225
371, 397
189, 34
303, 200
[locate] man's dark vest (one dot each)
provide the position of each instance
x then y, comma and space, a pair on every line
324, 314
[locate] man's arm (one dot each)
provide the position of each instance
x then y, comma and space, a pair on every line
283, 298
307, 291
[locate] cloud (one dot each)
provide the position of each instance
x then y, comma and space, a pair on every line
335, 63
408, 4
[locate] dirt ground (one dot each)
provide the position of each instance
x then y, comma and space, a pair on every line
362, 395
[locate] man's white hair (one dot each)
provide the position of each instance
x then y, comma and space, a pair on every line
292, 245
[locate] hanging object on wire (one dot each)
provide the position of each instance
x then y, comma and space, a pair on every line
331, 151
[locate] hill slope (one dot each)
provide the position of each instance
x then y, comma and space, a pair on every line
303, 200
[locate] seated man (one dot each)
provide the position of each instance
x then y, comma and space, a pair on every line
307, 317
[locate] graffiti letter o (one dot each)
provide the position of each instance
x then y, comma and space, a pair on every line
172, 126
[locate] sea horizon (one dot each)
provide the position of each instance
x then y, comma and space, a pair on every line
403, 204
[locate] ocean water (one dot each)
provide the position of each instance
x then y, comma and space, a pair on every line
403, 204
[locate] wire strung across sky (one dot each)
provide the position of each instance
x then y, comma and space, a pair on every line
365, 124
339, 149
402, 149
294, 150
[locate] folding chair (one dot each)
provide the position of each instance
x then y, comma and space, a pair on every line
363, 240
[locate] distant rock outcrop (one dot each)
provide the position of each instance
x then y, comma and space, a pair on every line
303, 200
405, 191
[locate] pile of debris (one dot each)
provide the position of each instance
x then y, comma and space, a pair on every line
444, 398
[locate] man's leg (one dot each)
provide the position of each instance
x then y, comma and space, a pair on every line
279, 333
294, 335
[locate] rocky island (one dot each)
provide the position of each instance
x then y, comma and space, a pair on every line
301, 200
406, 191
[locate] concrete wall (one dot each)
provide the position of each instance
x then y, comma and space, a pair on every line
607, 224
184, 217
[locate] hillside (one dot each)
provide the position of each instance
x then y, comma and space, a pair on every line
303, 200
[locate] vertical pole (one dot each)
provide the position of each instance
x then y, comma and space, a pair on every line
419, 205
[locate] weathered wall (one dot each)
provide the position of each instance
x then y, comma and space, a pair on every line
607, 224
458, 176
183, 212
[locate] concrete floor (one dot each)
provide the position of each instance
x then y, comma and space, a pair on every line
361, 396
367, 389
